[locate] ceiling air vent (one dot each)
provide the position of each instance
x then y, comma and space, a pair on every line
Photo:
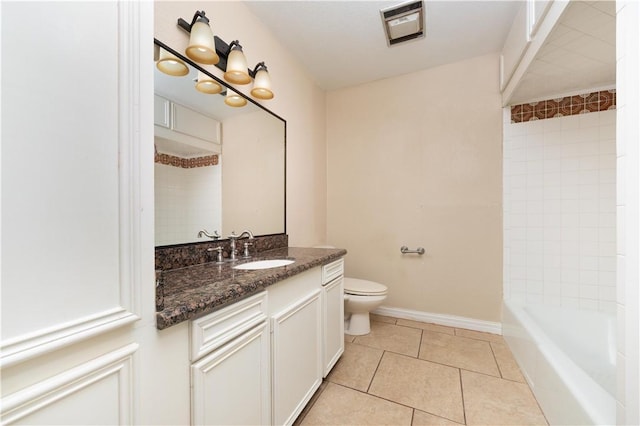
403, 22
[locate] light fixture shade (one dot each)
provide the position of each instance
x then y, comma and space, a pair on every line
236, 72
171, 64
206, 84
202, 46
233, 99
262, 85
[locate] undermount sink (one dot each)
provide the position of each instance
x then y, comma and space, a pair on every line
264, 264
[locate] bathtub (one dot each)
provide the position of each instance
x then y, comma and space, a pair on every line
568, 358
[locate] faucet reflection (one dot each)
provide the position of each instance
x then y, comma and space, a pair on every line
214, 236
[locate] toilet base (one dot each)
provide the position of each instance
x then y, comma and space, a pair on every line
357, 324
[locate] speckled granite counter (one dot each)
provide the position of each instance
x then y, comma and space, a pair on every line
197, 290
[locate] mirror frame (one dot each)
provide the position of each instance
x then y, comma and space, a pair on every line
249, 99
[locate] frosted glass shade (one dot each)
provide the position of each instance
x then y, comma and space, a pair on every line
236, 72
202, 47
262, 85
235, 100
207, 84
171, 64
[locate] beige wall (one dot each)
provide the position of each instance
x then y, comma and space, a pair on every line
416, 160
297, 99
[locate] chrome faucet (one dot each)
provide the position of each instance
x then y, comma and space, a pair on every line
232, 241
214, 236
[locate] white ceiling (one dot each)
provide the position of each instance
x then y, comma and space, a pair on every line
342, 43
580, 53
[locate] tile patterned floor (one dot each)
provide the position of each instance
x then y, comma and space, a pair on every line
412, 373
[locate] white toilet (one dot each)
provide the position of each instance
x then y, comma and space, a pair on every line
360, 298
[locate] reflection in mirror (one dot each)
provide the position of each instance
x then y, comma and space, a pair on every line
217, 167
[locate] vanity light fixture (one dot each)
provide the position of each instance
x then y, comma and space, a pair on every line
233, 99
236, 72
262, 82
171, 64
202, 47
208, 85
230, 58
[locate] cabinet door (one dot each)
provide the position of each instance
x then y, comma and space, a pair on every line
194, 124
161, 109
231, 385
296, 356
333, 319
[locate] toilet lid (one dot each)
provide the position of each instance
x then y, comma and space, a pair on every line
363, 287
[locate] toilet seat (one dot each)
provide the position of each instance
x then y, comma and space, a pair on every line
359, 287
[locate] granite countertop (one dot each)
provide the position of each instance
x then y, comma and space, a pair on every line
197, 290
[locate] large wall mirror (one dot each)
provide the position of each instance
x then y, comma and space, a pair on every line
217, 167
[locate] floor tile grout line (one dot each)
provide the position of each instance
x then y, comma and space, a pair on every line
376, 396
401, 404
386, 399
432, 362
494, 377
495, 359
441, 417
464, 408
460, 368
387, 350
424, 329
375, 372
390, 400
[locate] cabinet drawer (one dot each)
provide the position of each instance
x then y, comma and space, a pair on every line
216, 329
332, 271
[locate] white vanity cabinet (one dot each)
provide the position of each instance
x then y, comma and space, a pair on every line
332, 314
255, 362
296, 343
230, 370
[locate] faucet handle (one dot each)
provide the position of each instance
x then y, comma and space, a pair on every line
246, 254
219, 258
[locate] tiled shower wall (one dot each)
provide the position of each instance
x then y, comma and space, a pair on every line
180, 209
559, 181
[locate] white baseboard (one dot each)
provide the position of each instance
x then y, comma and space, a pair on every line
441, 319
